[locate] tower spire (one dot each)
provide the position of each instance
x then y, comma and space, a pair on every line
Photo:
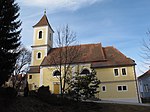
44, 11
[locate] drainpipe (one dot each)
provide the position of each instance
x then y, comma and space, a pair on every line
137, 88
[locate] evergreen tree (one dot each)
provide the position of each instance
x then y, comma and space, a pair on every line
9, 37
84, 86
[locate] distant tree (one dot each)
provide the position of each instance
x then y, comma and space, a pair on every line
84, 86
145, 51
21, 66
9, 37
23, 61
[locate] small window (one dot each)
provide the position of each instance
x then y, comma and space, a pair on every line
40, 34
116, 72
39, 55
119, 88
30, 76
56, 73
146, 89
124, 71
85, 72
124, 88
104, 88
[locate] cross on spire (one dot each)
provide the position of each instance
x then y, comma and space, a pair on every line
45, 12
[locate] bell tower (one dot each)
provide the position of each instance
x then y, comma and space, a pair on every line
42, 40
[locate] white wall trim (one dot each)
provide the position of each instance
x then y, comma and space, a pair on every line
125, 70
114, 72
32, 58
41, 77
46, 38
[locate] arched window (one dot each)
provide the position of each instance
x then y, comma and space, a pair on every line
85, 72
39, 55
40, 34
56, 73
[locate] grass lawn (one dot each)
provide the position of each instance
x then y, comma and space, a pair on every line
33, 104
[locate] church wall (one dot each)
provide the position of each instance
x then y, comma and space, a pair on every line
34, 81
107, 74
111, 83
49, 79
113, 94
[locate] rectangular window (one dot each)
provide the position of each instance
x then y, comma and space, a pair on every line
116, 71
119, 88
122, 88
30, 76
104, 88
124, 71
146, 89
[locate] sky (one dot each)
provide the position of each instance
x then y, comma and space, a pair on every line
119, 23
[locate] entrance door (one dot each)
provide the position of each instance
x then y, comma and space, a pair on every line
56, 88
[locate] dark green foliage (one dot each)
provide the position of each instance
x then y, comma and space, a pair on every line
44, 91
45, 95
9, 37
8, 92
84, 86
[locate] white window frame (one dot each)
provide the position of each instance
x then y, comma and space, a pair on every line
125, 70
38, 35
102, 88
54, 72
118, 72
84, 74
37, 55
122, 88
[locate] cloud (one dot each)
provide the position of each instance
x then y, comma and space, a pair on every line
59, 4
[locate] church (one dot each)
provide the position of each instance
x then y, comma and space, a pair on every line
115, 71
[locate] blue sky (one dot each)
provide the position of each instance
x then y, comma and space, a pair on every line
119, 23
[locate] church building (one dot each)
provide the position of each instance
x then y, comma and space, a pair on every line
115, 71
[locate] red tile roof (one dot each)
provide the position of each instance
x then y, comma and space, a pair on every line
95, 54
114, 58
34, 69
43, 22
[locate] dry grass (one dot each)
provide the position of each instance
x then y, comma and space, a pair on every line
32, 104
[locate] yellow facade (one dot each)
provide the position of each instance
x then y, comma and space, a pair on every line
111, 83
34, 82
43, 39
112, 92
37, 61
107, 74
